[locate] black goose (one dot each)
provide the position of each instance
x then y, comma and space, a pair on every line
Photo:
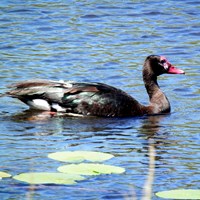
97, 99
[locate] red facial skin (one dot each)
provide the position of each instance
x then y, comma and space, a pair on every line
169, 67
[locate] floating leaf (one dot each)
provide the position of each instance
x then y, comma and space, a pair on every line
48, 178
90, 169
79, 156
179, 194
4, 175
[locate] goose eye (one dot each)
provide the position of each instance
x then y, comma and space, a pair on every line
163, 61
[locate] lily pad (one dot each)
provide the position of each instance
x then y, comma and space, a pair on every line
90, 169
48, 178
179, 194
4, 175
79, 156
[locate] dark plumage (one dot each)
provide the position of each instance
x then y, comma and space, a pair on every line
96, 99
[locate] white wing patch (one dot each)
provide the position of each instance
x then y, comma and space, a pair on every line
39, 104
67, 84
58, 108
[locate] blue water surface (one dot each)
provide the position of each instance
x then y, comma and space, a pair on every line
103, 41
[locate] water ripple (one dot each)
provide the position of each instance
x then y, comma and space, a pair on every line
101, 41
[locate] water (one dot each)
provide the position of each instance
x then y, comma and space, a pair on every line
107, 42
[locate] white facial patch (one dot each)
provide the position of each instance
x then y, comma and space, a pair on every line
164, 62
166, 66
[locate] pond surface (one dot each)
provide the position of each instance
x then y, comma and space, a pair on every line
107, 42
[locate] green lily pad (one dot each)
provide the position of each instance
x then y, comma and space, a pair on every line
48, 178
4, 175
179, 194
79, 156
90, 169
